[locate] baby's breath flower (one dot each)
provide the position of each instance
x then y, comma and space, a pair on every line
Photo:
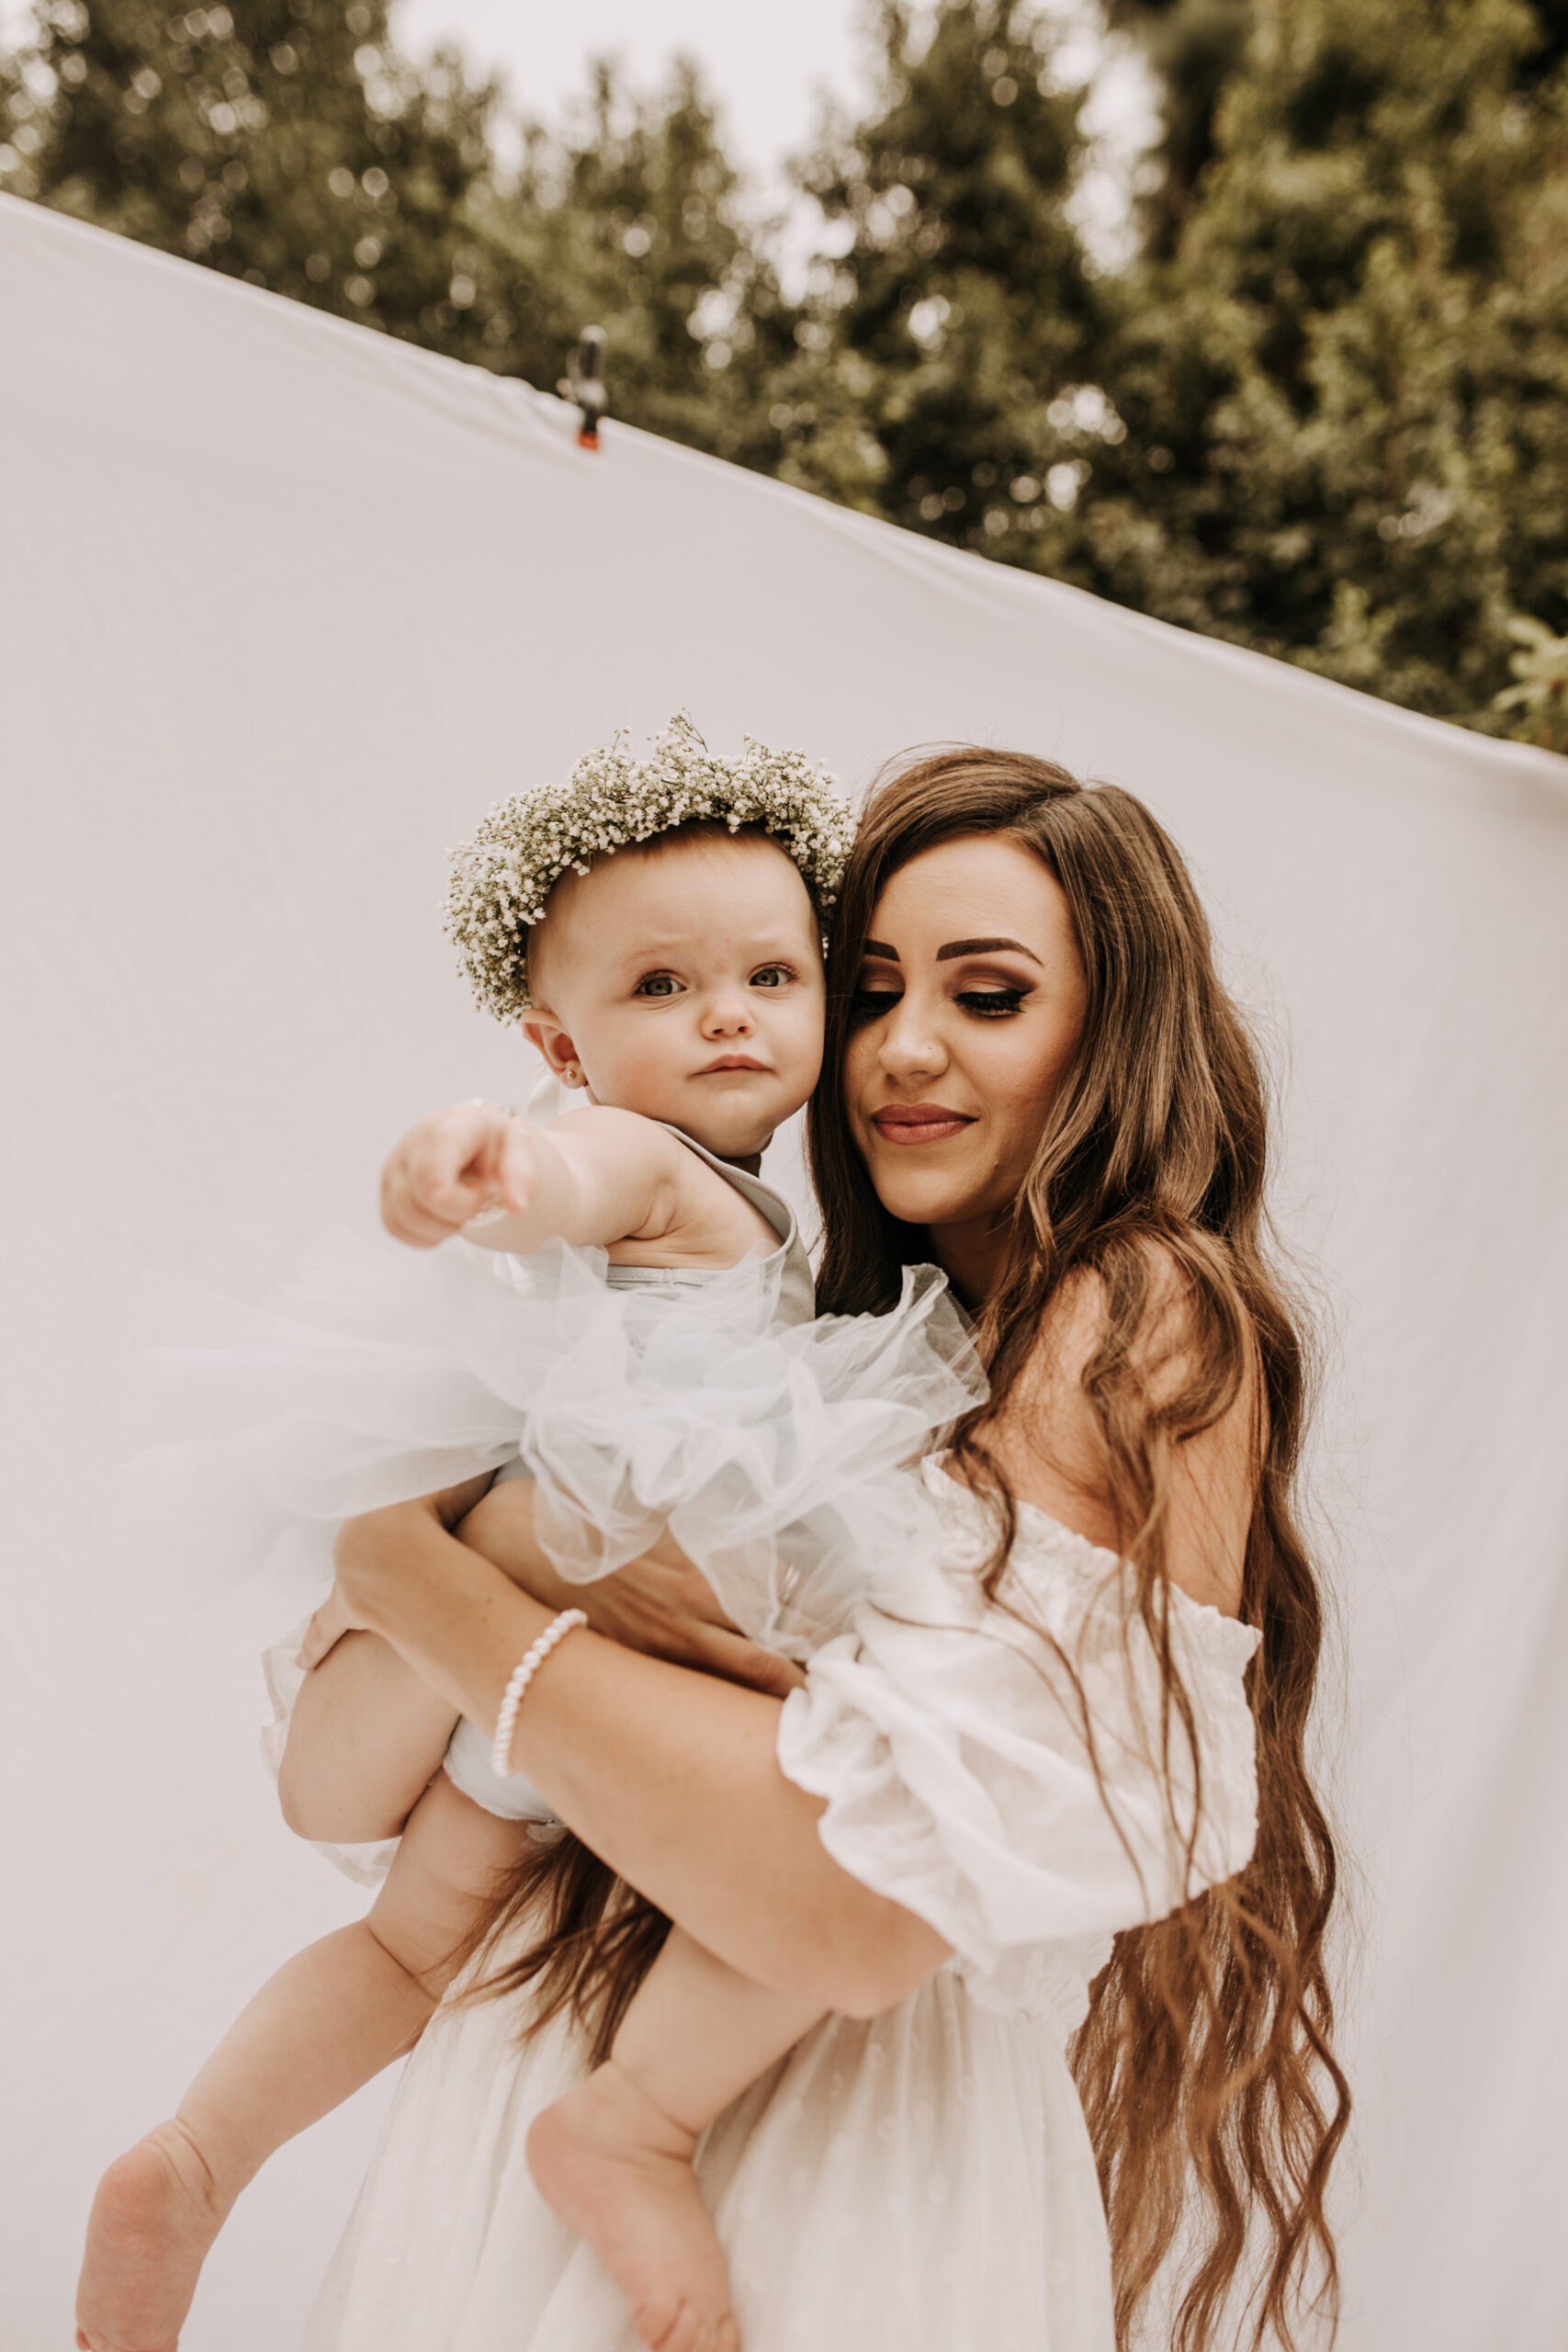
501, 878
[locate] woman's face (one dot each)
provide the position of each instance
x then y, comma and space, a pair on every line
969, 1005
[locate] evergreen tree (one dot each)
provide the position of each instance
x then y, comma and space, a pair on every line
1344, 393
1321, 411
1193, 47
287, 142
280, 140
943, 349
634, 222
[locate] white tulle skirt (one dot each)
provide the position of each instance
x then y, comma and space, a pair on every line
776, 1455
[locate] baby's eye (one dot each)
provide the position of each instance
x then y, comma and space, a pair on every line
657, 984
990, 1004
771, 975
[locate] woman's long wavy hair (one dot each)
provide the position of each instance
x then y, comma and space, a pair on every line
1206, 2065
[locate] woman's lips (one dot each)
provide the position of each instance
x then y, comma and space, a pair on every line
918, 1121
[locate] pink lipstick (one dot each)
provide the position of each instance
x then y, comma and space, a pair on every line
915, 1122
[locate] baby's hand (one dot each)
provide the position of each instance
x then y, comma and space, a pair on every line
453, 1166
332, 1620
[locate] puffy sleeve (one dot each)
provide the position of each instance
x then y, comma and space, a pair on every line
995, 1766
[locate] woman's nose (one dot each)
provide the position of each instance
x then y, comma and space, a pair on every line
907, 1050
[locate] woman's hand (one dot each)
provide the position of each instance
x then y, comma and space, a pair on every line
659, 1604
366, 1552
327, 1627
672, 1777
451, 1167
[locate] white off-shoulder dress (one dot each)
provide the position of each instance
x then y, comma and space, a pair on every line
922, 2182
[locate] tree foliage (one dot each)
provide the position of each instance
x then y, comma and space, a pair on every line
943, 344
288, 143
282, 141
1344, 391
635, 222
1320, 411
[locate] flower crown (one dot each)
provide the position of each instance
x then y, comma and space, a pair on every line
501, 878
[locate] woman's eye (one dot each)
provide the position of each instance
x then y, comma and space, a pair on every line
656, 984
990, 1003
771, 975
872, 1004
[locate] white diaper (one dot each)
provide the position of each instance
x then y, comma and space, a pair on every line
467, 1765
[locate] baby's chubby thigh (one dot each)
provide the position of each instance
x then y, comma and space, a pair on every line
501, 1528
442, 1884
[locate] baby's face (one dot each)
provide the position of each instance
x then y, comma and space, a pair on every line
685, 983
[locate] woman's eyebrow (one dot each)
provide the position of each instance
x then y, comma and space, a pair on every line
982, 948
880, 949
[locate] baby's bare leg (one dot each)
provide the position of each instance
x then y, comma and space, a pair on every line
328, 2021
365, 1737
613, 2157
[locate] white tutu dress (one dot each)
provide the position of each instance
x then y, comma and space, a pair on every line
773, 1445
923, 2182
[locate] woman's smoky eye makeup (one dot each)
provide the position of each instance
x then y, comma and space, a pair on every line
993, 1001
869, 1003
990, 1004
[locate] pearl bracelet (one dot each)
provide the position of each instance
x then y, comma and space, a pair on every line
523, 1673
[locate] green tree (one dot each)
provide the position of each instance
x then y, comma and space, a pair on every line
288, 143
1348, 443
283, 142
1193, 47
1539, 692
1321, 411
633, 220
943, 348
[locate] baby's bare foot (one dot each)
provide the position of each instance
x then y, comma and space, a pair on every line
619, 2172
156, 2212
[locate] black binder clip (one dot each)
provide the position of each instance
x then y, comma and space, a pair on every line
583, 384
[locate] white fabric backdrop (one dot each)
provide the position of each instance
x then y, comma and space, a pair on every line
283, 606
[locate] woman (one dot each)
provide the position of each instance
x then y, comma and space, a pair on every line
1012, 1824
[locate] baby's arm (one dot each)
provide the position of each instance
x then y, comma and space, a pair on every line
596, 1177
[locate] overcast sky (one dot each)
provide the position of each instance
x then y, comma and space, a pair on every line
763, 62
766, 61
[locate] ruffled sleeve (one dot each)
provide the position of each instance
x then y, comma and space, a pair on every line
966, 1776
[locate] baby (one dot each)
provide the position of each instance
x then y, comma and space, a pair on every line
678, 985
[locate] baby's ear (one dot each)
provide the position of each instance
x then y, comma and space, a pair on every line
547, 1038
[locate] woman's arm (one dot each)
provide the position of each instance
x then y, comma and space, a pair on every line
670, 1776
367, 1733
659, 1604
